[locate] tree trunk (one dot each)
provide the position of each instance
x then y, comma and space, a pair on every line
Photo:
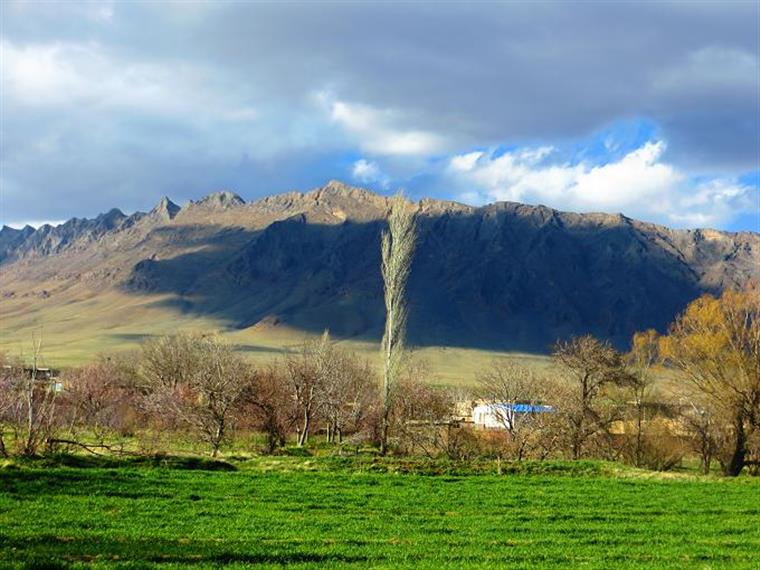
706, 452
274, 434
271, 442
271, 435
217, 439
303, 436
706, 460
639, 430
389, 339
384, 434
29, 446
386, 394
577, 443
738, 458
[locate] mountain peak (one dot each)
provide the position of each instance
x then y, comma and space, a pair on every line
220, 200
165, 209
338, 186
505, 275
112, 215
341, 190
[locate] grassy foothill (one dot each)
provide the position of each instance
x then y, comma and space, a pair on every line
339, 513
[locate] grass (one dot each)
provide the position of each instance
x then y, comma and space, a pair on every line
74, 331
342, 513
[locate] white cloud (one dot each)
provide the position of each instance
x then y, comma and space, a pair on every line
60, 75
378, 131
639, 184
43, 74
465, 162
367, 172
637, 177
34, 223
514, 176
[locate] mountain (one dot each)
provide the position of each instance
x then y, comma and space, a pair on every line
501, 276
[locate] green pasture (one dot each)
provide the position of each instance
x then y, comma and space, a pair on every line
335, 513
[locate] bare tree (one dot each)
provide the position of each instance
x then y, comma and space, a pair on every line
349, 396
269, 405
170, 360
99, 398
7, 398
643, 356
590, 366
703, 429
421, 416
505, 384
208, 387
32, 406
217, 385
397, 249
307, 375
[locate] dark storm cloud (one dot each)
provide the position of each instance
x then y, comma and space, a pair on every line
132, 100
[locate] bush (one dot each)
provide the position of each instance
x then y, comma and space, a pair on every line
660, 449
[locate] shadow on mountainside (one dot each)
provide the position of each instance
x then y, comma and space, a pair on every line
490, 280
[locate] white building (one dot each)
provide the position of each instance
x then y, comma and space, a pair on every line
504, 415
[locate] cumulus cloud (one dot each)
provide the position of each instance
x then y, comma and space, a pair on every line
62, 75
368, 172
381, 131
639, 184
116, 103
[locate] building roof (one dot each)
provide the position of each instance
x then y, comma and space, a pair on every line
517, 408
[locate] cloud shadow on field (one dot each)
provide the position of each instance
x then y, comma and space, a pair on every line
50, 551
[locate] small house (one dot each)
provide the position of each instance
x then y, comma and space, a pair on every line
504, 415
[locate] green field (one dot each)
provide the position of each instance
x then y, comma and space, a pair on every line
292, 511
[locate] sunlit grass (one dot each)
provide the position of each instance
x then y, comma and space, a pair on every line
76, 326
303, 513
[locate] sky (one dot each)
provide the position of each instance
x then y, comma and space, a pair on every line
651, 109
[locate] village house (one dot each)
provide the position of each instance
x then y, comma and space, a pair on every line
41, 375
504, 415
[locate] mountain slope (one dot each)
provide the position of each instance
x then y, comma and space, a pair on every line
504, 276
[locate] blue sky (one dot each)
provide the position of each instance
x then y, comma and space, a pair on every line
649, 109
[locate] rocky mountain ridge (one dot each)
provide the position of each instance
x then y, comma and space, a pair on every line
505, 275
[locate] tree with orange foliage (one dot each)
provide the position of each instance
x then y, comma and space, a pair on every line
715, 343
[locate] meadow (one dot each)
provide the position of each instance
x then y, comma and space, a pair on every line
74, 332
337, 513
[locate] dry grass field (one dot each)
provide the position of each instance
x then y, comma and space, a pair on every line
77, 324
